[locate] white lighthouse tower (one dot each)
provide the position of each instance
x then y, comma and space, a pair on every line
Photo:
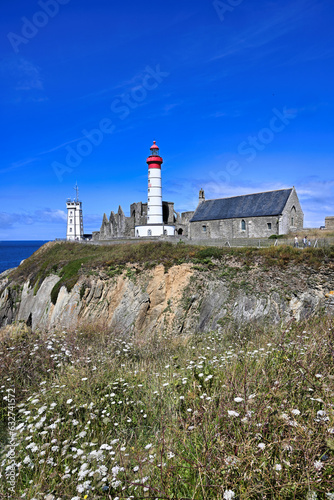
155, 225
74, 218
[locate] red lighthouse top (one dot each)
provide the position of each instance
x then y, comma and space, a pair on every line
154, 160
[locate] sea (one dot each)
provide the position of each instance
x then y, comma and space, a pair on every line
12, 253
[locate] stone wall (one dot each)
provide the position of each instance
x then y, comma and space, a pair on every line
293, 217
249, 227
182, 223
329, 223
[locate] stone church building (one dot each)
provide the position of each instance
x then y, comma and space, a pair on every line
250, 216
257, 215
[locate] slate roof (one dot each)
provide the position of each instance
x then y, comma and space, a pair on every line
250, 205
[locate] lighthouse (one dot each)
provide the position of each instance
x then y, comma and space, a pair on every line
155, 225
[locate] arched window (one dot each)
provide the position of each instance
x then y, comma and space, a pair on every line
180, 231
137, 233
293, 215
149, 232
243, 225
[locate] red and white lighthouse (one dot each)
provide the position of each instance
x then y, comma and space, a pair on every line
154, 196
155, 225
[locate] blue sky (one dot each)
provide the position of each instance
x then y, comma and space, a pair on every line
238, 95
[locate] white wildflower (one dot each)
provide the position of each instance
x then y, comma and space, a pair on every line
295, 412
228, 495
277, 467
318, 465
238, 400
232, 413
261, 446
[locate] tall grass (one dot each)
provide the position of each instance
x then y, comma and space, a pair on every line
225, 415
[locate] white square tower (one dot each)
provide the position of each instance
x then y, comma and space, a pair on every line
74, 218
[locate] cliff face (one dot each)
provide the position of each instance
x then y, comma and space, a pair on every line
187, 298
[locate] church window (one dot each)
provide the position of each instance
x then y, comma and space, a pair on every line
165, 232
269, 225
204, 229
71, 221
148, 199
70, 229
149, 232
293, 213
243, 225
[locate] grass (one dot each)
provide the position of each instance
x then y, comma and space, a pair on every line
228, 414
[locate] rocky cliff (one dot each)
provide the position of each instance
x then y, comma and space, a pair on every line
183, 298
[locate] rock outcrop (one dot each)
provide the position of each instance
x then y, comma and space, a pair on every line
186, 298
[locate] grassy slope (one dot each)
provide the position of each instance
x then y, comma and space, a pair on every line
192, 417
161, 413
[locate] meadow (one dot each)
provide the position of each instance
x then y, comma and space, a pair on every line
233, 414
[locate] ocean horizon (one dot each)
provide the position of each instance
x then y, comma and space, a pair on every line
12, 253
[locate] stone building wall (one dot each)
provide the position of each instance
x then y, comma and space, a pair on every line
182, 223
293, 217
329, 223
248, 227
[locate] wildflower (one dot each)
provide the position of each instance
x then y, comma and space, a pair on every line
277, 467
318, 375
318, 465
232, 413
189, 410
295, 412
311, 495
69, 401
261, 446
148, 446
85, 378
136, 468
228, 495
238, 400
